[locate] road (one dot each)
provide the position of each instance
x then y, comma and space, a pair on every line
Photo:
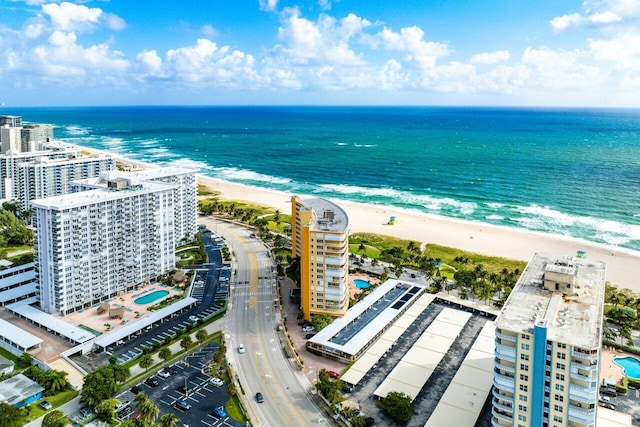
251, 321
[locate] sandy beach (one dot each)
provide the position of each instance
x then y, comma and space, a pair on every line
622, 264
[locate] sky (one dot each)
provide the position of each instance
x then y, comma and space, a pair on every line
320, 52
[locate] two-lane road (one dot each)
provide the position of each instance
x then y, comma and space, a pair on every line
252, 322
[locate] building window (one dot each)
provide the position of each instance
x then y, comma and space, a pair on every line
522, 408
524, 367
560, 366
558, 408
560, 377
559, 387
522, 397
522, 417
524, 336
524, 388
561, 356
559, 398
524, 346
524, 377
557, 419
562, 345
524, 357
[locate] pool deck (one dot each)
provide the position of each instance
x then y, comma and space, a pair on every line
608, 369
353, 290
90, 317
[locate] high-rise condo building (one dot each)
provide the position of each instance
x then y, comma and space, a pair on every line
9, 139
94, 244
320, 239
32, 135
13, 121
45, 177
185, 194
10, 188
547, 345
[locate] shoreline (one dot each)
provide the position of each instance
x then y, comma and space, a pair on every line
470, 236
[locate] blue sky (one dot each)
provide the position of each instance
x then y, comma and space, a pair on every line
320, 52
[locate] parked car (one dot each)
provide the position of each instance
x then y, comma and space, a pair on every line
217, 382
259, 397
241, 349
219, 412
45, 405
171, 370
608, 390
193, 318
135, 389
369, 421
333, 374
607, 405
309, 336
151, 382
308, 329
164, 374
182, 405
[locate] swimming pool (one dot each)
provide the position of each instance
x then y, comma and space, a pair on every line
361, 284
630, 366
151, 297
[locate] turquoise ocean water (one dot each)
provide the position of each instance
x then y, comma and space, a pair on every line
574, 173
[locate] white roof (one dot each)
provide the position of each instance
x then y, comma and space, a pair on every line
8, 280
130, 328
611, 418
48, 321
17, 292
469, 388
368, 317
16, 335
419, 362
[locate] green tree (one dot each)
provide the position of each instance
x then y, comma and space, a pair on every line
146, 360
321, 321
148, 411
9, 415
54, 419
357, 421
201, 335
186, 342
106, 410
169, 420
231, 389
24, 361
165, 353
398, 405
102, 384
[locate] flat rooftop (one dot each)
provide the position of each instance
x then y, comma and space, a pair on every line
91, 197
143, 175
329, 216
574, 319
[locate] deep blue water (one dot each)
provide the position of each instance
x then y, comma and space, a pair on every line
569, 172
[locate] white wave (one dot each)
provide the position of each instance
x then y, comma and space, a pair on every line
231, 174
351, 189
495, 217
77, 130
187, 163
341, 143
440, 204
148, 142
543, 217
365, 145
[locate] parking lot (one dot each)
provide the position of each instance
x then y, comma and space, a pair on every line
187, 391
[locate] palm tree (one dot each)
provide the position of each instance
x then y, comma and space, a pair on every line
201, 335
58, 380
148, 412
169, 420
165, 353
145, 361
361, 248
186, 342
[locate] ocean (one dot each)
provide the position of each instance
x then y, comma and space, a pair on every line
568, 172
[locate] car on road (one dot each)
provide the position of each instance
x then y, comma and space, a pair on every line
334, 374
217, 382
182, 405
308, 329
45, 405
309, 336
241, 349
259, 397
151, 382
164, 374
219, 412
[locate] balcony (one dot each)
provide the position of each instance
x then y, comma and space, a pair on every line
506, 352
505, 368
501, 416
591, 357
581, 416
504, 383
583, 394
507, 337
502, 407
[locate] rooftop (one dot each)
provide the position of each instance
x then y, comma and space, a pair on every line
99, 195
574, 318
329, 216
15, 389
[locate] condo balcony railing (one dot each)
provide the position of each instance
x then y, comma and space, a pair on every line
591, 357
504, 367
506, 352
504, 382
502, 407
503, 417
583, 394
582, 416
507, 337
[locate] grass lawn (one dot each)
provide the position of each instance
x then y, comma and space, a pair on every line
234, 411
491, 264
57, 400
370, 251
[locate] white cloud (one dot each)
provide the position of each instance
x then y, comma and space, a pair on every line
268, 5
490, 58
326, 4
113, 22
561, 23
208, 31
604, 18
411, 40
150, 62
71, 17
